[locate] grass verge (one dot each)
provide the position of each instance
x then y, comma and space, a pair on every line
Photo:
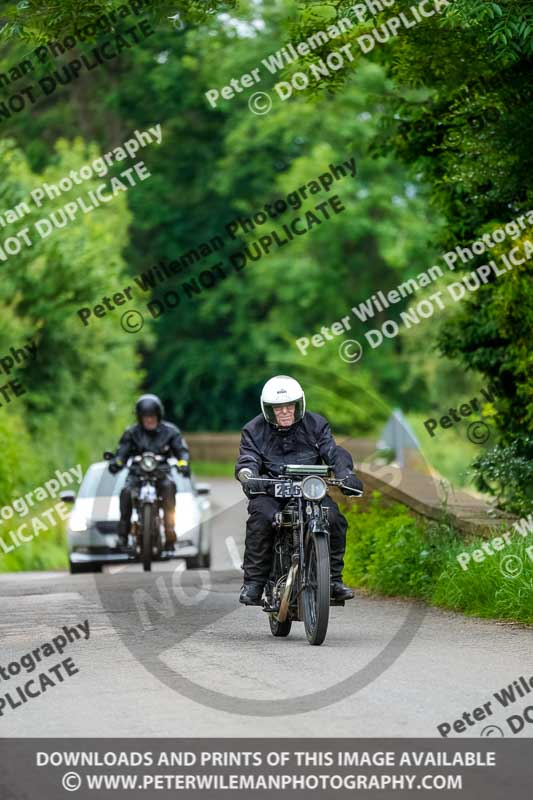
392, 553
47, 552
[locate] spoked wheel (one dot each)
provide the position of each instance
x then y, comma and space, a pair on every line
317, 589
148, 517
279, 628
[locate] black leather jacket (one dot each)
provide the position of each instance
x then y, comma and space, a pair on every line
166, 439
264, 447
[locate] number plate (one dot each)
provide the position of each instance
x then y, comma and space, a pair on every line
287, 489
148, 494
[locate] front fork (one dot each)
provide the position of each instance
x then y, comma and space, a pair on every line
316, 522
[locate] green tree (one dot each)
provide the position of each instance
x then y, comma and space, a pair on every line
460, 111
73, 383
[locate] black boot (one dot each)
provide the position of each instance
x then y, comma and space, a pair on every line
170, 538
251, 594
123, 533
339, 591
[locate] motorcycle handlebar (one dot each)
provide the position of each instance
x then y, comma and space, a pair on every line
295, 479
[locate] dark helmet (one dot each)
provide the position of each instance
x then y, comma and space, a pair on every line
149, 406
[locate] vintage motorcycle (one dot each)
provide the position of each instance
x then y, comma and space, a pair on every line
299, 585
147, 530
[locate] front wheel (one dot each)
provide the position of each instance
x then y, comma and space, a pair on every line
201, 560
148, 522
78, 569
317, 589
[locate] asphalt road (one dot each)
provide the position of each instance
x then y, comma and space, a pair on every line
172, 653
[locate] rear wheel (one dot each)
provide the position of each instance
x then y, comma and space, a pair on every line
317, 589
148, 522
279, 628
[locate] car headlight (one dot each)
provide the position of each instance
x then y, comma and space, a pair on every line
77, 523
148, 463
313, 488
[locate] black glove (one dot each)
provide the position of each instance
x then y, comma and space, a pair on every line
351, 485
252, 487
115, 466
183, 468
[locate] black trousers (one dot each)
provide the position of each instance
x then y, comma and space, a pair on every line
258, 550
167, 492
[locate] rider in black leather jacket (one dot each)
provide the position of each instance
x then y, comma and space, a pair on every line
153, 434
285, 433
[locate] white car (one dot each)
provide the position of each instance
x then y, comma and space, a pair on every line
92, 528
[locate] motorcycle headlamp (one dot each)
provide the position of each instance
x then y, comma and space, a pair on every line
148, 463
313, 488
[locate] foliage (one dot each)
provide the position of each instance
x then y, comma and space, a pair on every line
507, 473
70, 406
437, 119
229, 162
483, 590
37, 21
48, 552
390, 552
459, 111
448, 451
506, 25
226, 342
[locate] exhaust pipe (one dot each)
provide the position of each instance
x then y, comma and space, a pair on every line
284, 605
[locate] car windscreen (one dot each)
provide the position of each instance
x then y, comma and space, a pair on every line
99, 482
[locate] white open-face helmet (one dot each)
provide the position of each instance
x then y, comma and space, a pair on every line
280, 391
